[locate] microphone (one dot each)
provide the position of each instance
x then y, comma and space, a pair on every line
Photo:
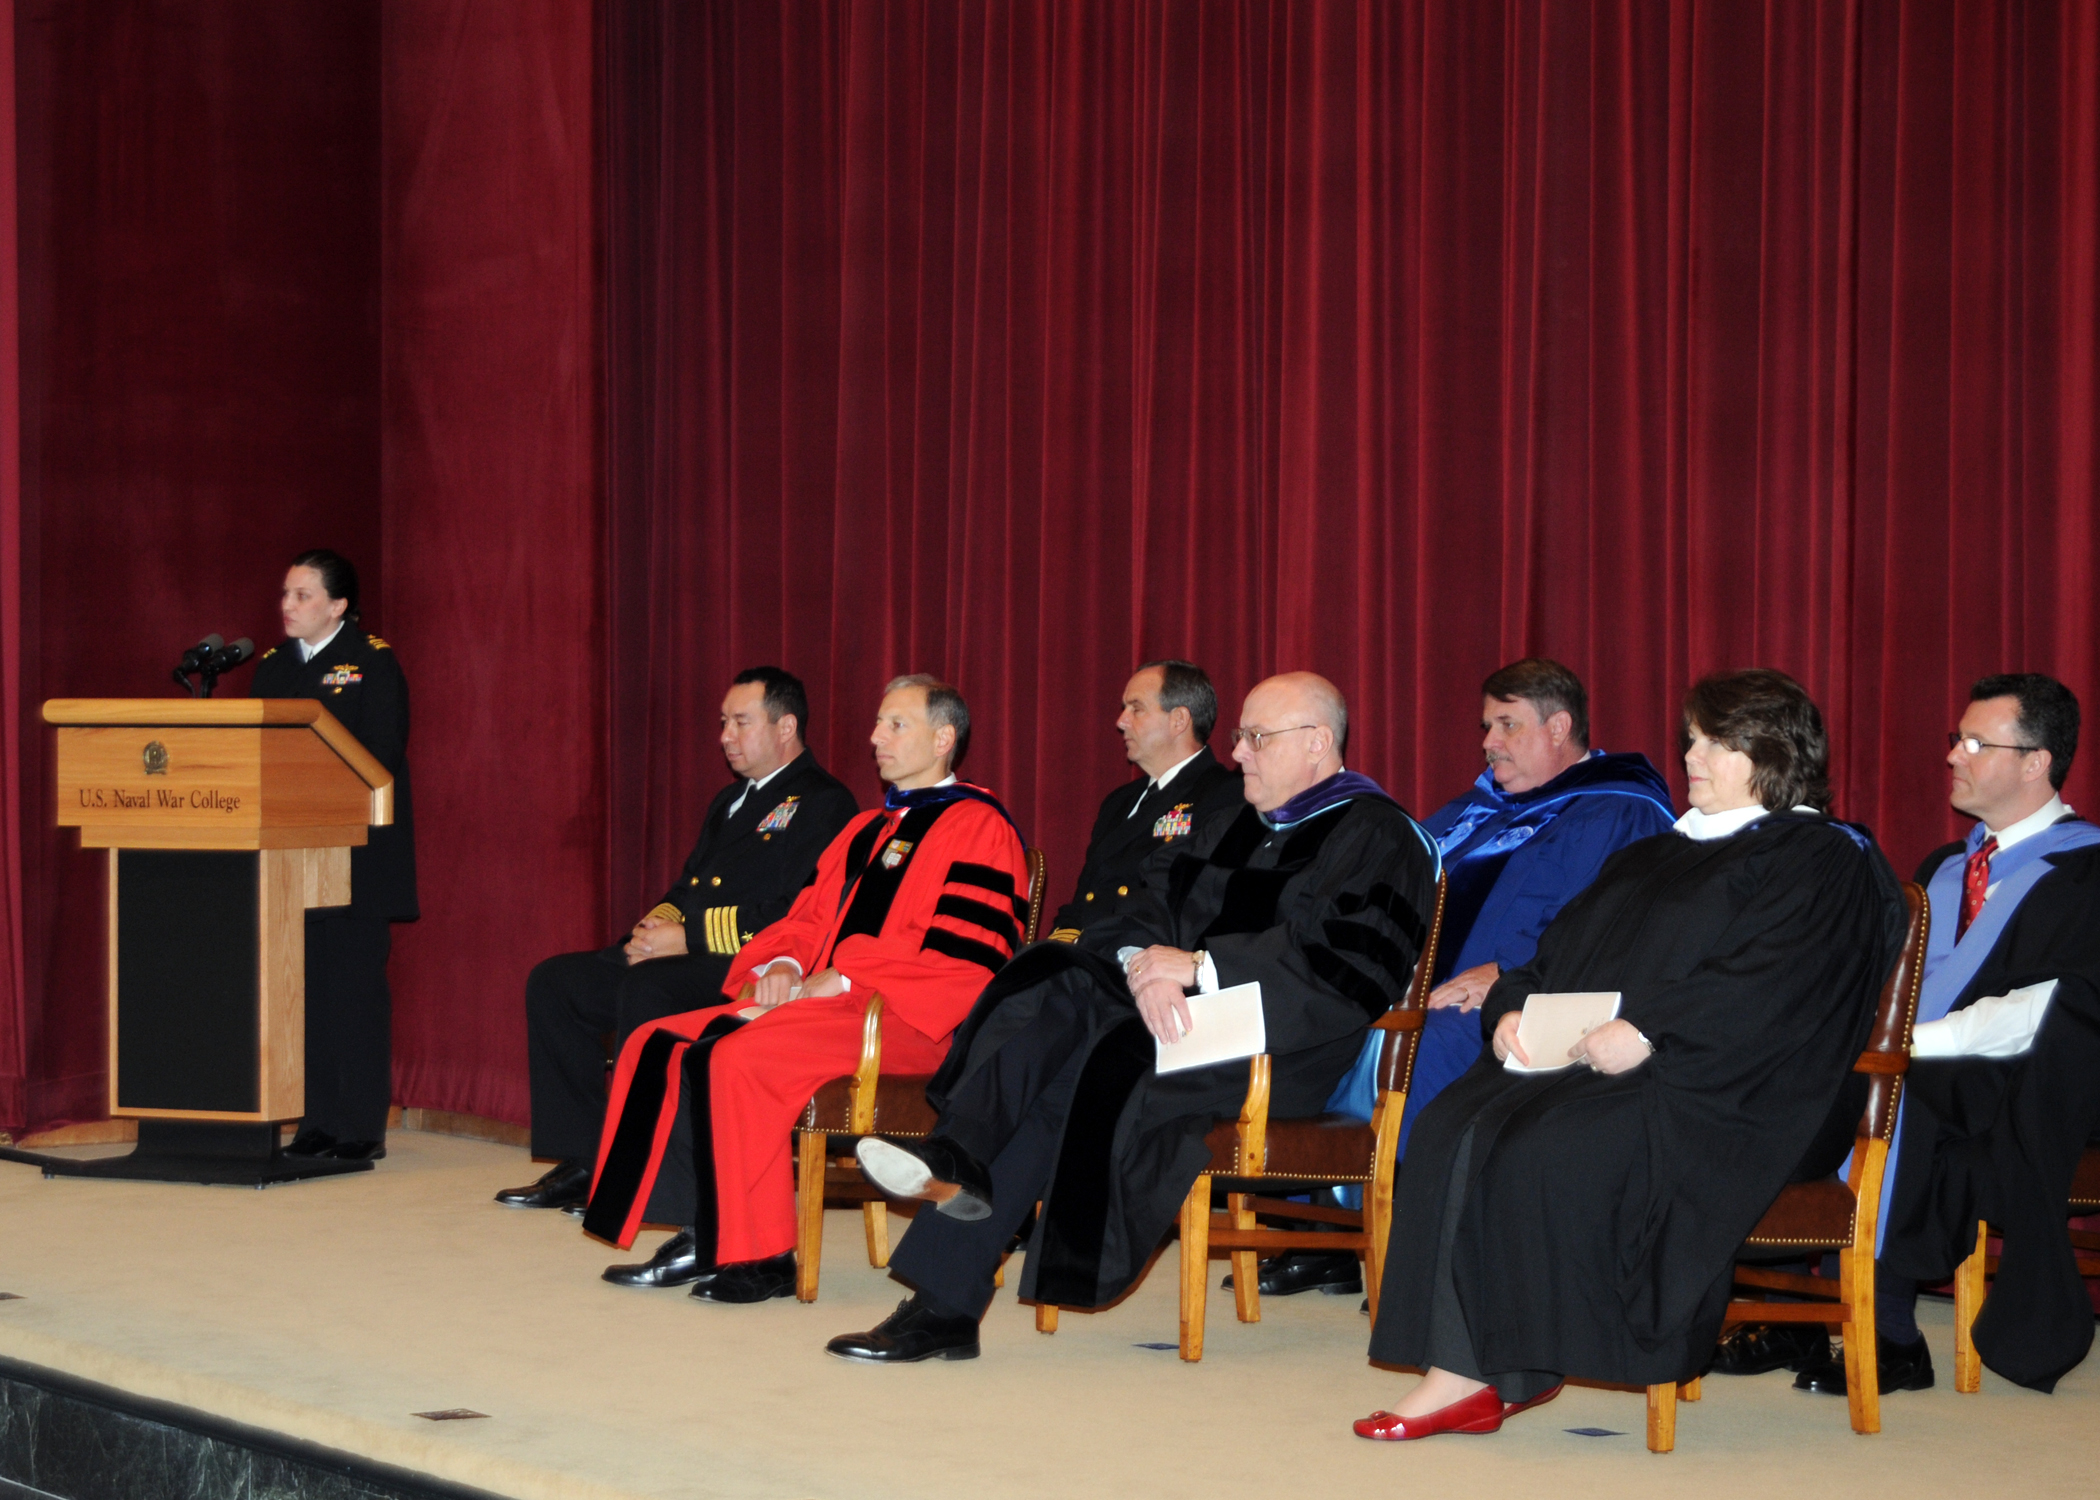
193, 660
226, 658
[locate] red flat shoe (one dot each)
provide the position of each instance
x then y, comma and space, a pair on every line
1479, 1412
1539, 1400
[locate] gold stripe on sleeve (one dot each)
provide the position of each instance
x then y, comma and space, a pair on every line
667, 912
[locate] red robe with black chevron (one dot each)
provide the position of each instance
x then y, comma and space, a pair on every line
921, 906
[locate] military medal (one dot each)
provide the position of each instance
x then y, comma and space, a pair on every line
1175, 822
780, 816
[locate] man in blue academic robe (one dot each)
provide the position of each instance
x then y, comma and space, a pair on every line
2003, 1093
1526, 838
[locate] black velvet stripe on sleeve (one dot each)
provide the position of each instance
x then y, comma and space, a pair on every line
991, 918
1357, 937
940, 940
1383, 897
986, 877
1348, 979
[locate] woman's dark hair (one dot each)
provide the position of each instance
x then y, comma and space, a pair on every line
338, 577
1769, 717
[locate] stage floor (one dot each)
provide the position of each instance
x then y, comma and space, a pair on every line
332, 1311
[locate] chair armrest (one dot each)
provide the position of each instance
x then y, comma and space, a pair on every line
747, 991
1254, 1117
1401, 1020
865, 1077
1882, 1062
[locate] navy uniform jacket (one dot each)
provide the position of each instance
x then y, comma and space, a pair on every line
745, 871
358, 679
1202, 793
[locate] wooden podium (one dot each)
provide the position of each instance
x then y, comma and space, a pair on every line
224, 821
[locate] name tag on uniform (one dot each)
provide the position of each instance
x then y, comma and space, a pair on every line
895, 852
1175, 822
780, 816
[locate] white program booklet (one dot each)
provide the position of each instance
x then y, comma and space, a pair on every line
1553, 1023
1228, 1025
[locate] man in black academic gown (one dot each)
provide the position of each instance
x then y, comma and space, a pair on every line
757, 848
1320, 890
2003, 1093
1169, 710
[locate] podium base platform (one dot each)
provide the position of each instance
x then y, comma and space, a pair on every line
206, 1151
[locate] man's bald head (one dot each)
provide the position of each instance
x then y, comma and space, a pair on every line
1292, 729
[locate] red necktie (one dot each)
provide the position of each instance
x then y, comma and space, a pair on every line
1975, 885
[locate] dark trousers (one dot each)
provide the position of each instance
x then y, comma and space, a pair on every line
349, 1018
1010, 1115
571, 1002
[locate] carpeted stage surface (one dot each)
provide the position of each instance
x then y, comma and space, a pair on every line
333, 1310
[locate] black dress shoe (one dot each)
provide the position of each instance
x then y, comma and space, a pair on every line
310, 1142
1754, 1348
356, 1150
673, 1264
912, 1333
936, 1170
563, 1184
751, 1280
1902, 1367
1332, 1273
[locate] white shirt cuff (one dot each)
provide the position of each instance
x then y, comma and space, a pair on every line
1206, 977
796, 964
1994, 1026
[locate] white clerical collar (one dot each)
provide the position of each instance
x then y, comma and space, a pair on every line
1706, 826
2030, 825
308, 653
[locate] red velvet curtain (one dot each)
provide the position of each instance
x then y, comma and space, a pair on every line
1020, 342
1023, 342
198, 199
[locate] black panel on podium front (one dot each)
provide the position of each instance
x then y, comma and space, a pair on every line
188, 1001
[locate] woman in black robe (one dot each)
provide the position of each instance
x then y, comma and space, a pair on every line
1585, 1221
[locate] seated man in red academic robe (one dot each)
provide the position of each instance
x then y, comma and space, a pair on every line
920, 901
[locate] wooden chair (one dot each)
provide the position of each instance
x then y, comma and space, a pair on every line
1255, 1152
1832, 1214
1970, 1279
868, 1102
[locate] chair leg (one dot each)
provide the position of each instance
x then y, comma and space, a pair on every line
1246, 1270
875, 1219
1688, 1390
1968, 1301
1862, 1362
1046, 1317
1195, 1266
1662, 1417
809, 1212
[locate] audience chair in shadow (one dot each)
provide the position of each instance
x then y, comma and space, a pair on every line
1256, 1160
868, 1102
1834, 1214
1970, 1280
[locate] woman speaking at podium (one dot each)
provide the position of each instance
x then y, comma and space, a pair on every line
357, 678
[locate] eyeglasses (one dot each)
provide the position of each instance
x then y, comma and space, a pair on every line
1974, 746
1256, 736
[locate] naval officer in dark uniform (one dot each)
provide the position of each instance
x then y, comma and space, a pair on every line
357, 678
757, 848
1169, 710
